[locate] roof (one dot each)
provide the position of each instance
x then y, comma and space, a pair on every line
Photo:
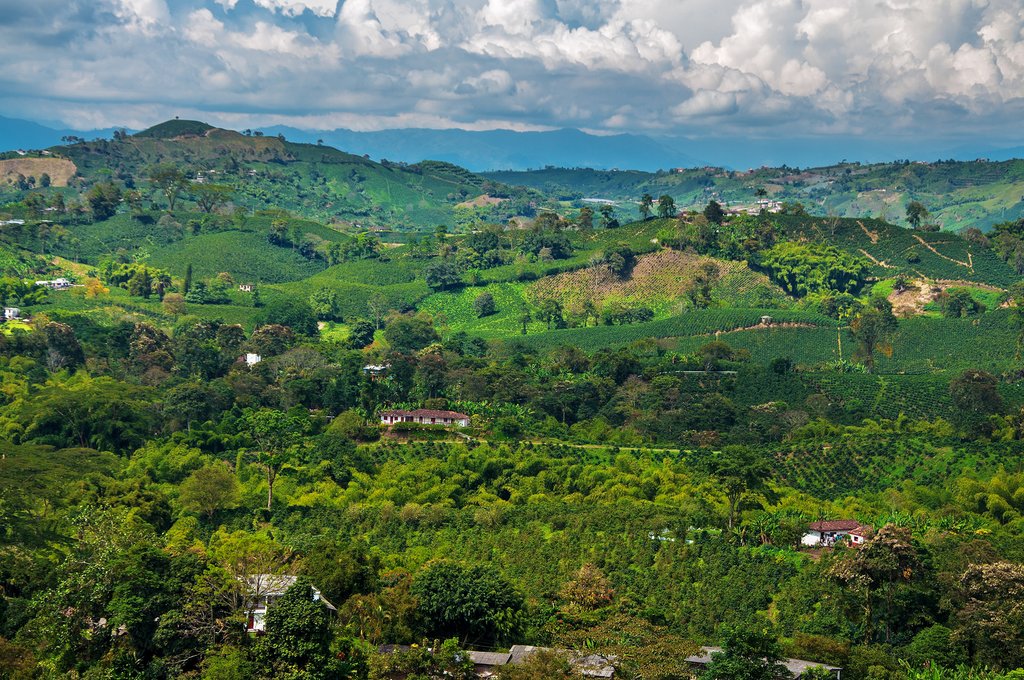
861, 531
489, 658
796, 667
277, 584
835, 525
426, 413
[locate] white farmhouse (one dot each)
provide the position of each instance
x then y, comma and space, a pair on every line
827, 532
260, 592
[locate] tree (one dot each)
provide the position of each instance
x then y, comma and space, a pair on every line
324, 303
741, 471
187, 402
103, 200
209, 197
590, 590
713, 212
634, 647
916, 212
483, 305
608, 220
211, 488
585, 221
295, 314
525, 318
408, 333
666, 206
475, 603
378, 306
1017, 316
804, 268
442, 275
990, 614
170, 180
975, 395
63, 347
747, 654
174, 304
550, 312
297, 641
187, 286
703, 281
957, 303
646, 203
427, 661
871, 329
276, 436
360, 334
879, 577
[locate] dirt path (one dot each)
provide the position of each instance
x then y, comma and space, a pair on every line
880, 263
969, 264
873, 235
765, 326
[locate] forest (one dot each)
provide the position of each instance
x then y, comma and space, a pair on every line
192, 384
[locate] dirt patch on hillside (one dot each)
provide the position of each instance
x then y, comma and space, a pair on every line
911, 300
60, 170
481, 201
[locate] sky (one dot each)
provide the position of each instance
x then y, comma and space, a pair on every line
928, 72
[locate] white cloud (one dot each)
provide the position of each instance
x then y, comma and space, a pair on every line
766, 66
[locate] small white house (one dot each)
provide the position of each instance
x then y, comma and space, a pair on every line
11, 313
246, 287
425, 416
260, 592
252, 359
827, 532
55, 284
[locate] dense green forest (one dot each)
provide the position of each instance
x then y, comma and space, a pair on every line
658, 410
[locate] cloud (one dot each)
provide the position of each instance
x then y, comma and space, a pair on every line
722, 67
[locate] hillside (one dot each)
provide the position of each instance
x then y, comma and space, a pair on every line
957, 193
312, 180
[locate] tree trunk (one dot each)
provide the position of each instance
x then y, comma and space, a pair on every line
271, 478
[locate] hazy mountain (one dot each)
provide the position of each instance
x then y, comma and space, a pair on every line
24, 134
503, 149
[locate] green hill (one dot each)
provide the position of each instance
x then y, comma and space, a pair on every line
316, 181
958, 194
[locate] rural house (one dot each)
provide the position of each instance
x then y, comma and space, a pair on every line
55, 284
260, 592
11, 313
246, 287
827, 532
424, 416
796, 667
376, 371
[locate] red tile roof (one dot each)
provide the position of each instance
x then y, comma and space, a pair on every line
835, 525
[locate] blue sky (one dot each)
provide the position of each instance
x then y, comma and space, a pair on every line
931, 72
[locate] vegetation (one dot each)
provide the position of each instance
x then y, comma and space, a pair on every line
657, 411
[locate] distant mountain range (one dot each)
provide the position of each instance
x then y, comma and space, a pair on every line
503, 149
25, 134
489, 150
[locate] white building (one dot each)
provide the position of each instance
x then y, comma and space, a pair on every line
424, 416
11, 313
252, 359
261, 590
55, 284
827, 532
